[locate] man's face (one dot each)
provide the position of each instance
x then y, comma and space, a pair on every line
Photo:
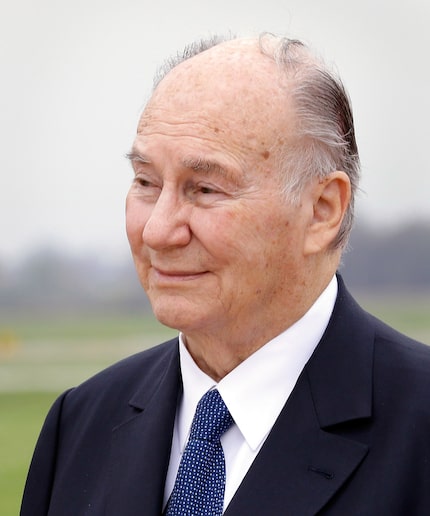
215, 244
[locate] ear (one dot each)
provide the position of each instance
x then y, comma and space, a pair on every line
330, 197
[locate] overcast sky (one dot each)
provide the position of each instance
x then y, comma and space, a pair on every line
75, 76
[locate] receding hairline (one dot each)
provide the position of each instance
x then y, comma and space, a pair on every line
324, 130
266, 44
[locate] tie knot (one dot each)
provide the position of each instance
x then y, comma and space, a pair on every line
211, 419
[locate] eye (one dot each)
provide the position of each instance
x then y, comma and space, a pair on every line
207, 190
145, 187
204, 194
199, 190
141, 181
145, 181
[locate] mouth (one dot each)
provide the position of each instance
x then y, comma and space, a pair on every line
175, 275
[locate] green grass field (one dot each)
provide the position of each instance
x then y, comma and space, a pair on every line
39, 359
22, 415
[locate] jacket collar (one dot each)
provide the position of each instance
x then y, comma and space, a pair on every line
305, 460
340, 371
140, 445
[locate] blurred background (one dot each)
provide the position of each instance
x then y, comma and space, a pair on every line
74, 78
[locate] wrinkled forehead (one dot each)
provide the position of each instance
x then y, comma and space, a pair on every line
231, 88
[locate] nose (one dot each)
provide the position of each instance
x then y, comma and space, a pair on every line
168, 223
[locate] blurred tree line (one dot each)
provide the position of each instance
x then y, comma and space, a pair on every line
389, 260
49, 282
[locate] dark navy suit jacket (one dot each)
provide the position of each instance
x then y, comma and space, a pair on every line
353, 438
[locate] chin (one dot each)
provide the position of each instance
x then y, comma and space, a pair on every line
178, 313
170, 312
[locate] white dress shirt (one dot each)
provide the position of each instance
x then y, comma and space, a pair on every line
254, 392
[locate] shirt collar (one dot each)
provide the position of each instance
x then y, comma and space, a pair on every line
257, 389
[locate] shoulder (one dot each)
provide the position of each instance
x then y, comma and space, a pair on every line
391, 347
135, 367
141, 372
402, 359
400, 366
148, 362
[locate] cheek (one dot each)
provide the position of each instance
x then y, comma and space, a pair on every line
235, 239
219, 232
135, 220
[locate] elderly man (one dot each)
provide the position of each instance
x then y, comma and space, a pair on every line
281, 395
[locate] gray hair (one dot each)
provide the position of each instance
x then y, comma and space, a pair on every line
191, 50
324, 133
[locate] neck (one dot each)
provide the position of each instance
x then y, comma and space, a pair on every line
218, 352
218, 356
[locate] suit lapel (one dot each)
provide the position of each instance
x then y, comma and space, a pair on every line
305, 459
141, 444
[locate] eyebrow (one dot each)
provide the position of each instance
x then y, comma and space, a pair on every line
196, 164
135, 156
203, 165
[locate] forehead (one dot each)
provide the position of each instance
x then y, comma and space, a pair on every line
230, 94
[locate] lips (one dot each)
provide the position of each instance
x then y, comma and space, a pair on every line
172, 275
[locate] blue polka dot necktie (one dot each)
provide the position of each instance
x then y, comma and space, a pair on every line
200, 482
